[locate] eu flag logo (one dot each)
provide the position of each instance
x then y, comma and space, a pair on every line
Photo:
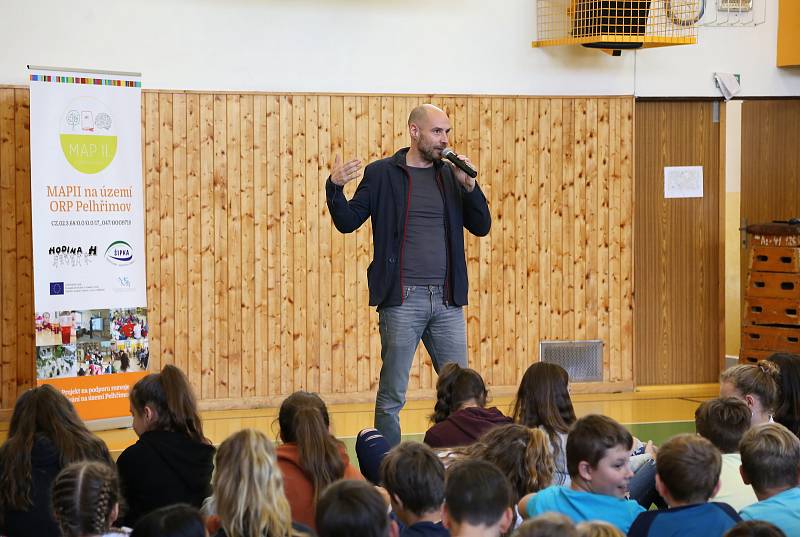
56, 288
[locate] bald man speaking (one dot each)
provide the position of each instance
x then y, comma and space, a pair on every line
418, 276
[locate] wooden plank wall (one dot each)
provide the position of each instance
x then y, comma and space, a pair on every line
677, 260
253, 292
770, 160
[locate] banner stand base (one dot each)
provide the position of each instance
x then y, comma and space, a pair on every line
125, 422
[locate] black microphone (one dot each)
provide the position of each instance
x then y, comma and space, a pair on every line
450, 155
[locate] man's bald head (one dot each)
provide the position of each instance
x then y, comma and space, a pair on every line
420, 114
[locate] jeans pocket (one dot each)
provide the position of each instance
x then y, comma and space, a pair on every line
407, 290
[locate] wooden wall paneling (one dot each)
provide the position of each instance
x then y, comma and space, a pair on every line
375, 153
26, 365
207, 321
312, 180
339, 317
579, 230
255, 295
350, 291
273, 242
509, 243
299, 237
287, 246
614, 268
152, 222
325, 293
626, 242
8, 242
545, 301
233, 245
568, 218
556, 220
166, 229
363, 246
521, 248
248, 263
603, 173
496, 201
221, 217
770, 161
180, 223
592, 226
468, 115
532, 182
261, 220
194, 253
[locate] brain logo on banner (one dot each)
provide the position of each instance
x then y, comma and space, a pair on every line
88, 136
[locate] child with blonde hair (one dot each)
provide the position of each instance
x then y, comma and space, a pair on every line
248, 489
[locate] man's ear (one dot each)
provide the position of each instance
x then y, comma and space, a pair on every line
506, 520
585, 470
413, 130
660, 488
742, 473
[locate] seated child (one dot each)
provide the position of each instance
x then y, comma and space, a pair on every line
414, 478
460, 416
687, 476
724, 421
770, 462
547, 525
598, 529
754, 528
477, 499
348, 507
598, 451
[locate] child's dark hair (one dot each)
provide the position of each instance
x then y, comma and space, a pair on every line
723, 421
591, 437
476, 492
179, 520
173, 400
412, 472
754, 528
350, 507
303, 419
788, 411
457, 385
770, 457
521, 453
42, 412
84, 495
543, 401
689, 466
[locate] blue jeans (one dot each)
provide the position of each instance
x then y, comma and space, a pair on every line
422, 315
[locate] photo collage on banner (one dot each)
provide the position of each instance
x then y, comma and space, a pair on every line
87, 197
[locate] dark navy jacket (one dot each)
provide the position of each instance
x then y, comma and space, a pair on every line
383, 195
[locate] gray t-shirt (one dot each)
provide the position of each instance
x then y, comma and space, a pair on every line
425, 249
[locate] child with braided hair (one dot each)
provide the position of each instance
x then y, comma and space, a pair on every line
460, 415
86, 500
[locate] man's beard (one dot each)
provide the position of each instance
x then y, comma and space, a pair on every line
430, 152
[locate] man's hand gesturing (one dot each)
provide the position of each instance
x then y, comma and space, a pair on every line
341, 174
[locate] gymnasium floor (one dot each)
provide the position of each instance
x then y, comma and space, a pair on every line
651, 413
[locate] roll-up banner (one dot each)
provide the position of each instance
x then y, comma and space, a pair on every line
88, 237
